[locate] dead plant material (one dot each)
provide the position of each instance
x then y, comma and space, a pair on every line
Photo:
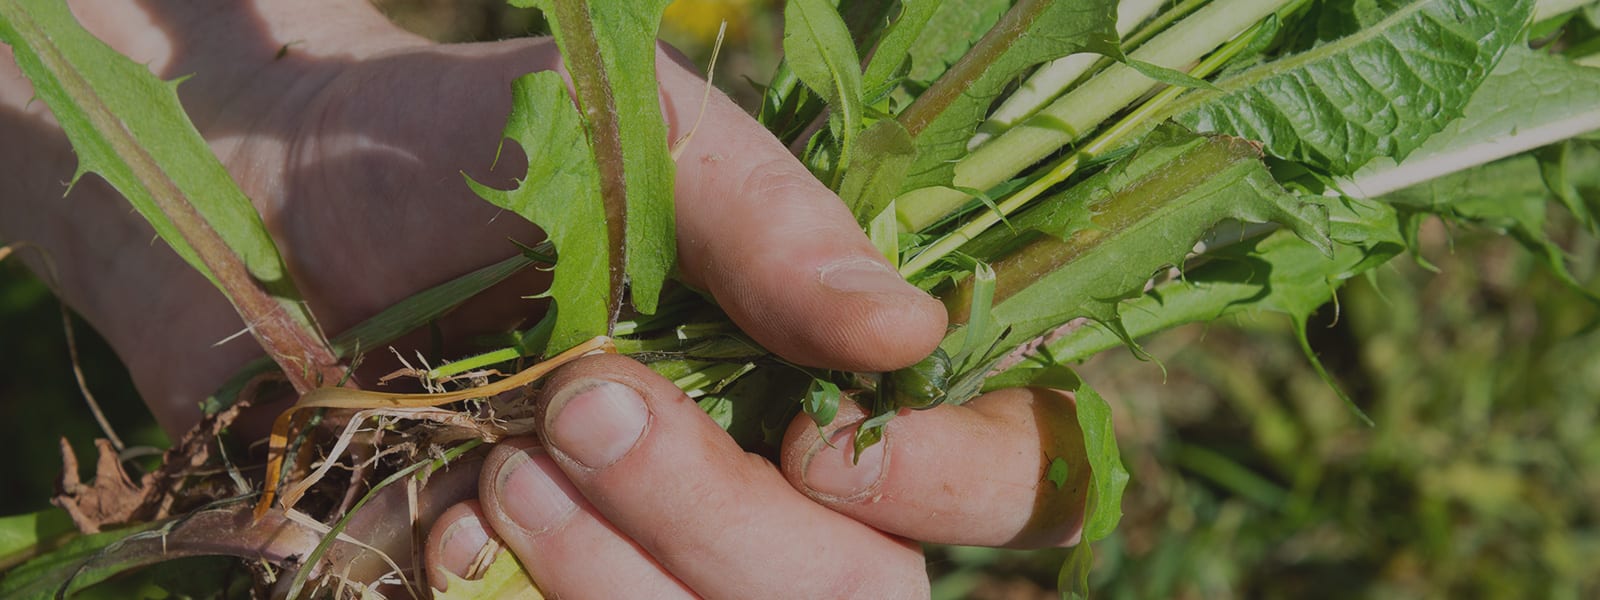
347, 398
112, 499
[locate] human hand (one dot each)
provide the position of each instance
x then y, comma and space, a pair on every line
636, 493
350, 136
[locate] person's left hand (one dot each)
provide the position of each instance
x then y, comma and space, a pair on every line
636, 493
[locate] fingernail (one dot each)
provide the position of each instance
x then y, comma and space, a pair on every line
534, 492
863, 275
461, 543
596, 422
831, 470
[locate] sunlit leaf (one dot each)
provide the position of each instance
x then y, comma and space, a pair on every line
505, 579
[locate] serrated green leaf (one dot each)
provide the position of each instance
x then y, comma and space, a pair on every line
505, 579
1100, 242
1509, 196
1278, 273
609, 49
130, 128
818, 48
944, 118
1555, 167
1381, 91
560, 194
113, 109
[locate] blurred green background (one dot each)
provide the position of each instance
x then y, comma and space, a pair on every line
1481, 478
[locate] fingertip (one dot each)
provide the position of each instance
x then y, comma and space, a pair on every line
456, 543
973, 474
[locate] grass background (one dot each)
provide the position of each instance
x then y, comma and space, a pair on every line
1481, 478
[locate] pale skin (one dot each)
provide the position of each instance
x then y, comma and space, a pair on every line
350, 146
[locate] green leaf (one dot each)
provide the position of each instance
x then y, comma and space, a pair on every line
821, 401
1098, 244
65, 568
952, 29
560, 194
609, 49
818, 48
981, 331
129, 127
505, 579
944, 118
1530, 100
1058, 472
1509, 196
22, 536
876, 170
892, 56
1381, 91
1107, 476
1278, 273
1073, 579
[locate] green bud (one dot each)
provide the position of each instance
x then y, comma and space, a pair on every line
921, 385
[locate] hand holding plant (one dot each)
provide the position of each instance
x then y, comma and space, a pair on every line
355, 173
1218, 157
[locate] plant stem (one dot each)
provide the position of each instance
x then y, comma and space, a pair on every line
1050, 80
581, 53
1131, 126
1084, 108
1012, 28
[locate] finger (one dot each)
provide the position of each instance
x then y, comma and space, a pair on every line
561, 539
455, 543
722, 521
973, 474
779, 251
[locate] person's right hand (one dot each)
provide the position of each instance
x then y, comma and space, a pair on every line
635, 493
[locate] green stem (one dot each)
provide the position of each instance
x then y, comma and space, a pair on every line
473, 363
944, 93
1129, 127
695, 383
1084, 108
1051, 80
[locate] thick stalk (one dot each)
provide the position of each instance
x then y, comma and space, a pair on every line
1056, 76
1012, 28
1113, 216
1136, 123
1085, 108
